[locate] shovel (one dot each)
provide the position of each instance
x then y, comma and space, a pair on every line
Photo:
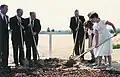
72, 56
35, 43
91, 48
39, 61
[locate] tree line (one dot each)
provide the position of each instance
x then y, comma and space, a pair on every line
111, 31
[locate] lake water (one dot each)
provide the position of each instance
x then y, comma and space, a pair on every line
62, 46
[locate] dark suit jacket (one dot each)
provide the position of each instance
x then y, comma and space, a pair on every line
4, 35
16, 36
36, 28
73, 24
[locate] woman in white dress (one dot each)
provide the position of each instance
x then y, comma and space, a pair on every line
91, 32
101, 34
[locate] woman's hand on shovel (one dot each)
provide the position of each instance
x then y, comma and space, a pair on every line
115, 34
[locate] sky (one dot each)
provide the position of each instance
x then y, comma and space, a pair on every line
56, 13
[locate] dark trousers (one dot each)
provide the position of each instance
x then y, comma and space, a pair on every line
79, 42
18, 45
4, 49
5, 52
30, 44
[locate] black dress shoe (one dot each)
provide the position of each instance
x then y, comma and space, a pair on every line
16, 64
6, 67
91, 61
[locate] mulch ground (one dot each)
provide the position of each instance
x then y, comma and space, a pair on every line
57, 68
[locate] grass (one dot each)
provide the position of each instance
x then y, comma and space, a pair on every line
117, 46
111, 30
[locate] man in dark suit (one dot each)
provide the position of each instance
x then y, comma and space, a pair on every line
4, 35
76, 24
34, 24
17, 37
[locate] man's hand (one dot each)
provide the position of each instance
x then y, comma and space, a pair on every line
30, 25
22, 27
79, 21
34, 33
77, 28
86, 30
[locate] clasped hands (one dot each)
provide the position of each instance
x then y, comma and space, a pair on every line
33, 33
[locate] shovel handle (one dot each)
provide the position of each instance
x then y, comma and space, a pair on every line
35, 43
91, 48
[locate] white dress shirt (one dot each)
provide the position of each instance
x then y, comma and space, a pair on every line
30, 21
19, 19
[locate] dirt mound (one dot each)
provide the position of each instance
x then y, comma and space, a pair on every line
55, 67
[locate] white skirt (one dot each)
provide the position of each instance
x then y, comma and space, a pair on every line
105, 49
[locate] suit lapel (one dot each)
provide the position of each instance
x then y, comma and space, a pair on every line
74, 19
1, 17
0, 20
28, 21
7, 19
16, 19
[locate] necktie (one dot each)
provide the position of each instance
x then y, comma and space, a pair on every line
4, 19
31, 22
18, 22
77, 20
19, 19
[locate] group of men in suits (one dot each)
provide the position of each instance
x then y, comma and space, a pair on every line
23, 30
26, 30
